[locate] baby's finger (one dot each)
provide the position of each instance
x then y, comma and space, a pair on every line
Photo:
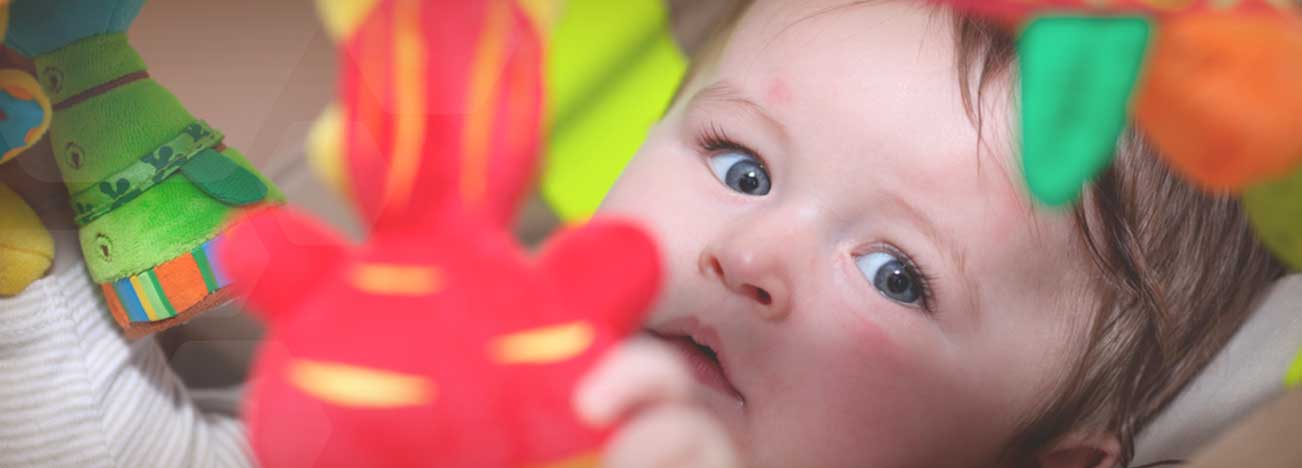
637, 374
670, 436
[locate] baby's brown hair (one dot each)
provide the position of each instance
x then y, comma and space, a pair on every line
1176, 271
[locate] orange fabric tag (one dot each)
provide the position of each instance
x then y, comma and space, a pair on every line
182, 282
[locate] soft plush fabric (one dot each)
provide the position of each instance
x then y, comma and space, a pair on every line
150, 183
1221, 97
26, 248
66, 21
438, 341
216, 175
1217, 90
1069, 137
168, 220
24, 113
74, 69
140, 175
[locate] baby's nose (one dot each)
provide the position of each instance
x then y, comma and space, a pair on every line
745, 273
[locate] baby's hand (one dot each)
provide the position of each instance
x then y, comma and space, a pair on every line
645, 386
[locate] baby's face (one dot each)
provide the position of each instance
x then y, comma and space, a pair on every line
877, 293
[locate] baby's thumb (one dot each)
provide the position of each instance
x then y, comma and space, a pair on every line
670, 436
638, 374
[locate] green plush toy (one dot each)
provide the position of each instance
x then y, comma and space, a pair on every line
152, 187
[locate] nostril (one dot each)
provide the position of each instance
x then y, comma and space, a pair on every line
716, 267
761, 296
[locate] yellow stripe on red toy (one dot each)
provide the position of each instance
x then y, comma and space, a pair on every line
410, 76
443, 124
388, 279
484, 76
546, 345
360, 387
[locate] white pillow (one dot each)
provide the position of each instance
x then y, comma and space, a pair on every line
1248, 372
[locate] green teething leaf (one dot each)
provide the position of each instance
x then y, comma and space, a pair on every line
1275, 209
611, 69
222, 179
1077, 77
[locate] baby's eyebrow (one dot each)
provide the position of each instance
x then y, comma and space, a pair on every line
945, 244
724, 92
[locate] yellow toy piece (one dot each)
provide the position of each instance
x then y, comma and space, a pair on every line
26, 248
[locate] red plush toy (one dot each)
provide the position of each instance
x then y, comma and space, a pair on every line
439, 342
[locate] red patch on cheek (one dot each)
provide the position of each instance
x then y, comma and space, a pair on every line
871, 339
779, 93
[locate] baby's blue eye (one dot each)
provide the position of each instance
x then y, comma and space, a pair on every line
741, 171
892, 277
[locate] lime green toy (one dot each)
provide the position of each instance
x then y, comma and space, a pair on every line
152, 186
1294, 377
611, 69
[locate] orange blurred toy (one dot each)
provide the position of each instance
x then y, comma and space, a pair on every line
1218, 92
1216, 85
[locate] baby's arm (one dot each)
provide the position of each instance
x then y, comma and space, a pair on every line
74, 392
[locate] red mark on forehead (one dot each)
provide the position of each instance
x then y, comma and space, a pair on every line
779, 93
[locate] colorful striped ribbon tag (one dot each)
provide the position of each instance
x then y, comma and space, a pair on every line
164, 291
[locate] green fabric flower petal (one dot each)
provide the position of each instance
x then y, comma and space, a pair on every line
1078, 74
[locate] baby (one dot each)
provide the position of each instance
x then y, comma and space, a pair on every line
858, 278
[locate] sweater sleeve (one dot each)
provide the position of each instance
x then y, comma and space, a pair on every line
74, 392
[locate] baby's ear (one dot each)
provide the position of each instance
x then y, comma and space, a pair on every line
1081, 450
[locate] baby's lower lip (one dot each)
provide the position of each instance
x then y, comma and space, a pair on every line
705, 370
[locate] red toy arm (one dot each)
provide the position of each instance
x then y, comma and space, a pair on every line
276, 255
607, 267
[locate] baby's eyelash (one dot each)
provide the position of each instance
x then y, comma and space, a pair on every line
925, 280
713, 139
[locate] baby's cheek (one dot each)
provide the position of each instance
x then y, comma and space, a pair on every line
868, 395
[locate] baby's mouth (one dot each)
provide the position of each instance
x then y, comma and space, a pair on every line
702, 360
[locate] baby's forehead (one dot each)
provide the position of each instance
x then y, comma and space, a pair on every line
876, 77
877, 83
